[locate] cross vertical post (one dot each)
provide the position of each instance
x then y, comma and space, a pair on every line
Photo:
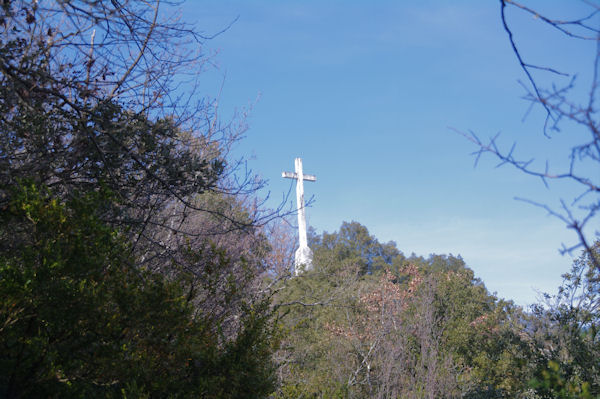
303, 258
300, 203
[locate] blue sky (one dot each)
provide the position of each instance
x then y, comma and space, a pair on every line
367, 93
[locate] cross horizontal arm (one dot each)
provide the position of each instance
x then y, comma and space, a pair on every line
292, 175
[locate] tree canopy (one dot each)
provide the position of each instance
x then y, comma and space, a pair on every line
129, 257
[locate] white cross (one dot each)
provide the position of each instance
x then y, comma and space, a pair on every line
303, 259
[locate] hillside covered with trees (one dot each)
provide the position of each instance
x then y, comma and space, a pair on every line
370, 322
137, 262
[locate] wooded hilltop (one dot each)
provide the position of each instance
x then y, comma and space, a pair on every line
136, 260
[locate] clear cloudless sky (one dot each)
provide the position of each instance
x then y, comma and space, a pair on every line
366, 93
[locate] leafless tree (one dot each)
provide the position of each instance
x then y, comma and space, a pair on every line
394, 341
564, 110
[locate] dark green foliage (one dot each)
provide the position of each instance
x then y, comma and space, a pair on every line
353, 244
124, 270
79, 320
439, 263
